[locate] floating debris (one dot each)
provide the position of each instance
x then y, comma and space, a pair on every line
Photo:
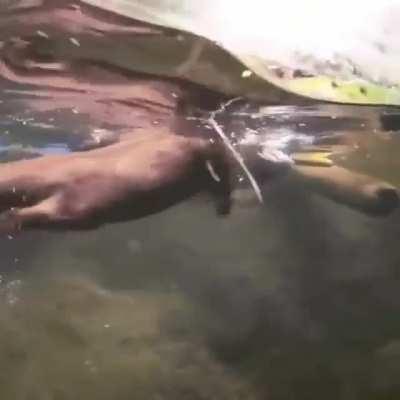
212, 172
247, 73
11, 292
314, 159
42, 34
75, 42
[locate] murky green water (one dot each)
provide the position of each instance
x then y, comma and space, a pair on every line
295, 299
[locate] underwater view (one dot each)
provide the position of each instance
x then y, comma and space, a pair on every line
174, 225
